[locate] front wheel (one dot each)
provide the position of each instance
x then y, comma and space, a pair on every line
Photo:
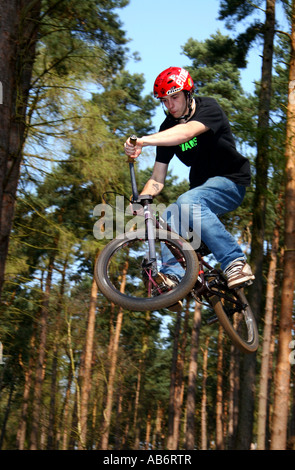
119, 267
237, 319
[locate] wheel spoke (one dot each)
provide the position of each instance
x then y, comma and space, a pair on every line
130, 253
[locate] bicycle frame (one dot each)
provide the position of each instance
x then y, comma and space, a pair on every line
205, 287
202, 287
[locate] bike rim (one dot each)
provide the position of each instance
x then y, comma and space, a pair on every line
239, 323
123, 273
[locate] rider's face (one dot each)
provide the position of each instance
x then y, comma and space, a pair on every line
176, 104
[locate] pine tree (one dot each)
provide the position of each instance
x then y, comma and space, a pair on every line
282, 377
240, 10
65, 35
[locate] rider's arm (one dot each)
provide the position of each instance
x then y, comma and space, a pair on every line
156, 182
170, 137
175, 135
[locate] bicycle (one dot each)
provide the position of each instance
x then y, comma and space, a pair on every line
127, 266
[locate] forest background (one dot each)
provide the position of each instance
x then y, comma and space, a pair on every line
77, 372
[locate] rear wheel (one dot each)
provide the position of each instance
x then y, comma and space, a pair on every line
118, 270
237, 318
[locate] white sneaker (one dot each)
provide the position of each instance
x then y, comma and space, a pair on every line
238, 273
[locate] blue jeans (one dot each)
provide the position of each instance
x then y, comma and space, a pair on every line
199, 208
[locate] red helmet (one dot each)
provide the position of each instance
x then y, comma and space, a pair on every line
172, 81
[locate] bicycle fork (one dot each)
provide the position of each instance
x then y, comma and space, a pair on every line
145, 201
151, 260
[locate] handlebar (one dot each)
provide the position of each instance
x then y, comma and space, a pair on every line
135, 196
133, 139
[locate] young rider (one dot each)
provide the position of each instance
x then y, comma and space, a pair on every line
197, 131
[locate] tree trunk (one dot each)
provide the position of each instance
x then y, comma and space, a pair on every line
234, 388
262, 161
291, 433
219, 395
19, 22
192, 376
118, 431
66, 412
259, 210
21, 432
111, 379
41, 360
282, 376
267, 336
173, 383
136, 425
140, 381
179, 388
86, 367
148, 431
204, 437
94, 403
6, 414
125, 436
51, 440
157, 437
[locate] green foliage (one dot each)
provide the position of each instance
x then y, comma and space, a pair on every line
81, 45
215, 70
234, 12
81, 35
125, 110
83, 104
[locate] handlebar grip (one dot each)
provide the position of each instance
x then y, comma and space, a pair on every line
133, 139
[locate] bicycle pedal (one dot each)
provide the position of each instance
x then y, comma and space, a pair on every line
160, 289
214, 282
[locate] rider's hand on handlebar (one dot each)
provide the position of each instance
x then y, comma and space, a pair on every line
133, 150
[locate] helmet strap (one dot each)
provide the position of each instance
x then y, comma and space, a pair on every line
185, 117
189, 101
189, 98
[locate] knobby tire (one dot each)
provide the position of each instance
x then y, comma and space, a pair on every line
145, 303
247, 343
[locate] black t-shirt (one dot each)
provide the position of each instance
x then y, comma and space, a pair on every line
212, 153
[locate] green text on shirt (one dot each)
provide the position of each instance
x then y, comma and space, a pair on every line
189, 145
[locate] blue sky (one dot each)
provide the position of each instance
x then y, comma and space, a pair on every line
159, 28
